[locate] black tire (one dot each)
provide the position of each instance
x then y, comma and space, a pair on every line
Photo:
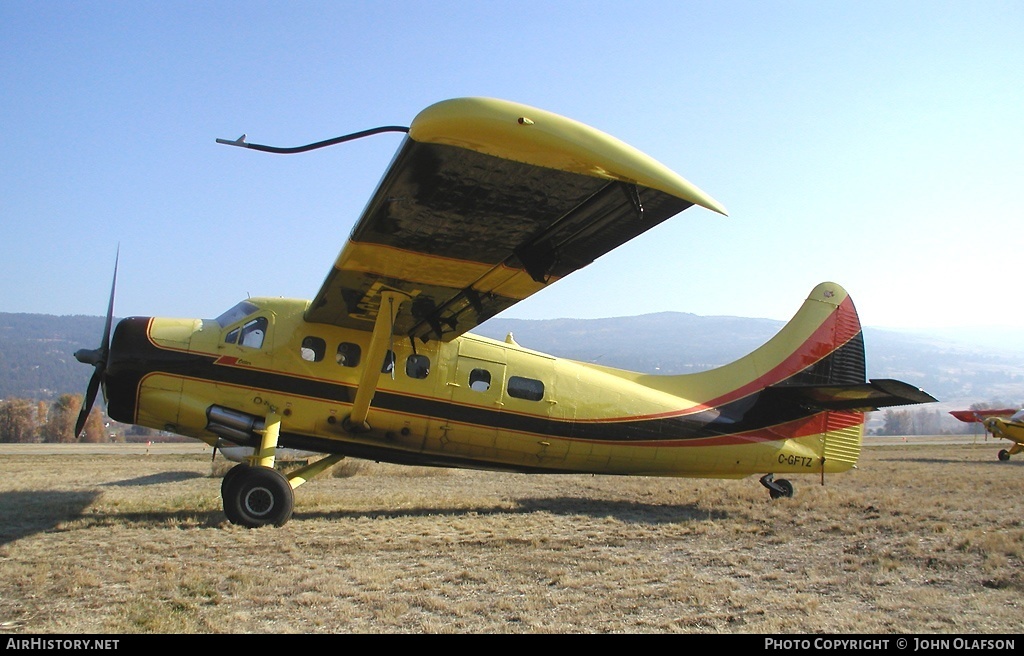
229, 477
1004, 454
258, 496
785, 489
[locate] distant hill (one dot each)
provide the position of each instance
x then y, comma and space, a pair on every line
37, 361
37, 354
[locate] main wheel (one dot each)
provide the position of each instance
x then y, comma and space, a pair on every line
258, 496
785, 489
1004, 454
229, 478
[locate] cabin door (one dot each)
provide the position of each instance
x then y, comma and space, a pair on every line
475, 387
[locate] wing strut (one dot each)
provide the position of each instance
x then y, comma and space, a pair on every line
390, 301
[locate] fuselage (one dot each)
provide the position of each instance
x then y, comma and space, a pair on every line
471, 402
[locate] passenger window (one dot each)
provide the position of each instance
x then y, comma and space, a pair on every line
525, 388
348, 354
313, 349
480, 380
250, 335
417, 366
389, 362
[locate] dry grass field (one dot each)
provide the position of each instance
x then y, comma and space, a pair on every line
924, 538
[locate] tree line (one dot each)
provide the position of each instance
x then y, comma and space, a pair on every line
924, 421
32, 421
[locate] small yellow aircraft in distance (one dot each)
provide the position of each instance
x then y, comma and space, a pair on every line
1007, 423
485, 203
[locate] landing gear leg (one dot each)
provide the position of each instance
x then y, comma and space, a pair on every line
777, 488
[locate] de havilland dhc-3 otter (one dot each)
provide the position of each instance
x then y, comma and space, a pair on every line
485, 203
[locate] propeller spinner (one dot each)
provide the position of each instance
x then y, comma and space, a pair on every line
98, 358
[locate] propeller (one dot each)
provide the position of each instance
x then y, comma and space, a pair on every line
97, 358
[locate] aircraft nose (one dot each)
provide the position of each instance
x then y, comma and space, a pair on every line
128, 335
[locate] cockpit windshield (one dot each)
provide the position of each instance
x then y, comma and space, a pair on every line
240, 311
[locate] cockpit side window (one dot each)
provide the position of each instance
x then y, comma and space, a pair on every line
250, 335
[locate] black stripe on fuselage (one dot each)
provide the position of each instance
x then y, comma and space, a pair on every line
138, 357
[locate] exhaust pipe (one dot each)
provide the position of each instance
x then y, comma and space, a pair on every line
238, 427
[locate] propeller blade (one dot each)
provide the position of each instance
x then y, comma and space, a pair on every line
97, 358
90, 398
105, 346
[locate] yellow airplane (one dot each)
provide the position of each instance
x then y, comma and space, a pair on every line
1007, 423
485, 203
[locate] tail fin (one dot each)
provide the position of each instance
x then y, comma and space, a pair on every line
814, 387
836, 381
807, 385
821, 348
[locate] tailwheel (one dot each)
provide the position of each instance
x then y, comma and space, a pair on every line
257, 496
1004, 454
777, 488
785, 489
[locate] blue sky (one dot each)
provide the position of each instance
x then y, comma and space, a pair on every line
879, 145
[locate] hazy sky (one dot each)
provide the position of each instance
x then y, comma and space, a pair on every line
879, 145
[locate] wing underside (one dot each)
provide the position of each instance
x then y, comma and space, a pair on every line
484, 204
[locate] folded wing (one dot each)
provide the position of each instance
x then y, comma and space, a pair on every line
485, 203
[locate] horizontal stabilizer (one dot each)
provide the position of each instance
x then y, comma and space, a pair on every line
978, 416
860, 397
